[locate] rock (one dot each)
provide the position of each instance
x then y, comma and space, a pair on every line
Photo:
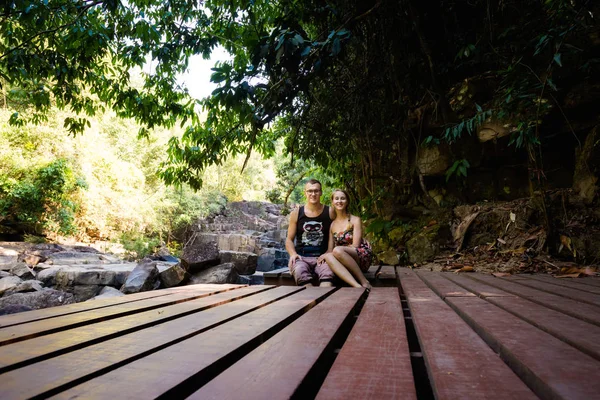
257, 278
7, 262
33, 260
47, 276
433, 160
270, 259
36, 300
24, 287
13, 309
236, 242
421, 248
172, 276
84, 292
70, 258
76, 275
22, 271
245, 262
8, 283
244, 280
389, 257
142, 278
202, 252
223, 273
108, 292
110, 259
4, 274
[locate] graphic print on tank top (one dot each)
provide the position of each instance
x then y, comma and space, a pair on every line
313, 233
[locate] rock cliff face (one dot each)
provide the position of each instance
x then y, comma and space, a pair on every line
236, 246
244, 241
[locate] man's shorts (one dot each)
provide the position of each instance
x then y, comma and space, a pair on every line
305, 268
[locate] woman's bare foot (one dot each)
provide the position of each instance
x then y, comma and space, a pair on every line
367, 286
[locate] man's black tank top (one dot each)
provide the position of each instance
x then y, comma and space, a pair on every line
312, 234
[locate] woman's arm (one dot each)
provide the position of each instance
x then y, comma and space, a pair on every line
357, 231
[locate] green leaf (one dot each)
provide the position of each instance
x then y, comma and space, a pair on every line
557, 59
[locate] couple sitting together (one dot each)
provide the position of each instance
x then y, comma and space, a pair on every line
328, 241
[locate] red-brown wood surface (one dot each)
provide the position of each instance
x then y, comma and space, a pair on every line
44, 346
191, 360
579, 334
459, 363
103, 357
20, 332
479, 288
583, 311
51, 312
551, 367
277, 368
566, 282
443, 287
374, 362
562, 291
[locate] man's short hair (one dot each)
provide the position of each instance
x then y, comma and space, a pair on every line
313, 182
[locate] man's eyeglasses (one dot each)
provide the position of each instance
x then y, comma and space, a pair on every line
315, 191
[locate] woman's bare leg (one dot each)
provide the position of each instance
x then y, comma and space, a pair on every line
340, 270
348, 257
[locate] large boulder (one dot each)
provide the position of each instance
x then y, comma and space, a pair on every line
271, 258
223, 273
236, 242
22, 271
202, 251
421, 248
84, 292
245, 262
25, 287
78, 275
142, 278
48, 275
8, 283
173, 275
71, 258
36, 300
108, 292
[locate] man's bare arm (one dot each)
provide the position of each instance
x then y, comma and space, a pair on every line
291, 235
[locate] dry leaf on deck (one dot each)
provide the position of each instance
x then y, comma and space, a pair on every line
466, 268
500, 274
568, 276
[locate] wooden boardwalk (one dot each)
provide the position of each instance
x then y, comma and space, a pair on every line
433, 335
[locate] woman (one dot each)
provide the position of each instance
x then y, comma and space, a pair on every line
348, 255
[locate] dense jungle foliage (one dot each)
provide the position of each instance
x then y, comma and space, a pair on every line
406, 103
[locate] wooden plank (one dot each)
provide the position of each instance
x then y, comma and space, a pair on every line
277, 369
61, 372
51, 312
33, 329
480, 289
374, 361
459, 363
566, 283
442, 286
585, 312
577, 333
552, 368
562, 291
187, 364
16, 355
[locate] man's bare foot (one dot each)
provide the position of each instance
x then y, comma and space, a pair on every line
325, 284
309, 284
367, 286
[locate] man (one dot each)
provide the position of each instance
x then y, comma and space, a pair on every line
309, 227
